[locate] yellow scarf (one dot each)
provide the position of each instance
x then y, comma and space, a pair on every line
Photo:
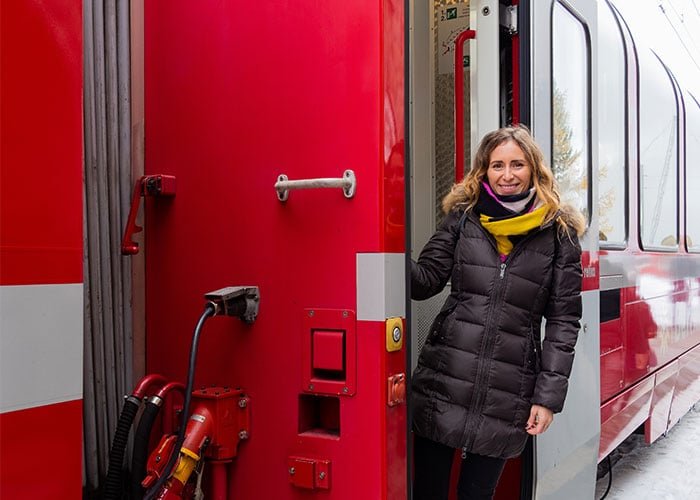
515, 226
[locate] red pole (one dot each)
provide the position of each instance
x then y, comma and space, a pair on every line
219, 479
459, 101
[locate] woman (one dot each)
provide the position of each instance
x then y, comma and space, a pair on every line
484, 380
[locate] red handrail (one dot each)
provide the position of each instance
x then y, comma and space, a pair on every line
459, 101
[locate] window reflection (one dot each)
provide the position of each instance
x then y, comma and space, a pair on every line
611, 126
570, 108
658, 154
692, 176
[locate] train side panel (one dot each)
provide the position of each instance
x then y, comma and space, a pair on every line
308, 90
41, 277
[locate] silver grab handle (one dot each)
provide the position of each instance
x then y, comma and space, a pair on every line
347, 182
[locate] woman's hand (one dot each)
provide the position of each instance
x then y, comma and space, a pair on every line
539, 421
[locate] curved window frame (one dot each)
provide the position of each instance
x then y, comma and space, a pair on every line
588, 140
622, 245
679, 109
692, 100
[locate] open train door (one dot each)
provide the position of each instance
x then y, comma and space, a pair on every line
563, 45
241, 97
527, 62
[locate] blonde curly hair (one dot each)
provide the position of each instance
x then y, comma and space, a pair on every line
464, 194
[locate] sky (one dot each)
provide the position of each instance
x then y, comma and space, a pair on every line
672, 29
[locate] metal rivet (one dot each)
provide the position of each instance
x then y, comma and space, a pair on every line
243, 435
311, 387
292, 471
322, 475
486, 11
345, 390
345, 314
158, 458
311, 313
242, 403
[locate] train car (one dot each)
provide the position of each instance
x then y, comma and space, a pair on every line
253, 190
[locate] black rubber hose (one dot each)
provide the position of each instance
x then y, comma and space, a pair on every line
142, 437
209, 311
113, 482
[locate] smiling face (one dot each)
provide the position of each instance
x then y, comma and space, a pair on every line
508, 172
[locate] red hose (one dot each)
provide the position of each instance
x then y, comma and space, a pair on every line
146, 382
171, 386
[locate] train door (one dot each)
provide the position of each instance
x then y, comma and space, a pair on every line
438, 29
530, 62
563, 106
464, 82
246, 103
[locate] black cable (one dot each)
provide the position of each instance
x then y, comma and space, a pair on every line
609, 478
209, 311
113, 482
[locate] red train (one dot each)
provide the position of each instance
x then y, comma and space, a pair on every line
228, 117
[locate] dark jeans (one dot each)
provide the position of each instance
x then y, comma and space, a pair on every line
433, 463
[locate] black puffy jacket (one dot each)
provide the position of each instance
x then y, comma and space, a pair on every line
483, 365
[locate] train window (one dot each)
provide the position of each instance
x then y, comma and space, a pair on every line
612, 140
692, 180
570, 105
658, 155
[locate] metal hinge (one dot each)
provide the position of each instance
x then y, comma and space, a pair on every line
509, 18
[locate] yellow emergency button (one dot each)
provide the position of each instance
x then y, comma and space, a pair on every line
394, 334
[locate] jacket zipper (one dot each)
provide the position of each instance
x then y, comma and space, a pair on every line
484, 356
485, 352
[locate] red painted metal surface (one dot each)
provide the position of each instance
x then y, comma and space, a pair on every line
229, 415
41, 229
392, 193
319, 325
26, 433
309, 473
612, 360
687, 389
459, 101
644, 347
620, 416
515, 68
664, 384
226, 114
